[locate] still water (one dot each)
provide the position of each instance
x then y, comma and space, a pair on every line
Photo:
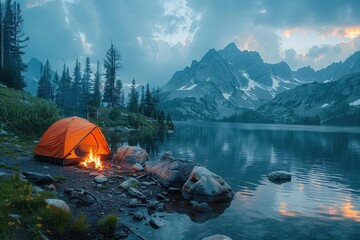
321, 202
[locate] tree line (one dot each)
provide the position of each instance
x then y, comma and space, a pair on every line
80, 91
12, 44
74, 92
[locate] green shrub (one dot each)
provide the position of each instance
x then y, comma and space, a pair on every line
107, 225
80, 225
28, 116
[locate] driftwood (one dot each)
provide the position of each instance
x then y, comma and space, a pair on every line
81, 192
142, 176
127, 228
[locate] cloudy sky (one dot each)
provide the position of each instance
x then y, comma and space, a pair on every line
158, 37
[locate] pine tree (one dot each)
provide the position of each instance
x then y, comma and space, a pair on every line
60, 91
119, 99
142, 101
133, 98
12, 40
45, 89
169, 122
67, 90
86, 84
76, 85
149, 105
1, 42
55, 85
112, 65
96, 96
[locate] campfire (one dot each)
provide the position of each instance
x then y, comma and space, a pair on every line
92, 160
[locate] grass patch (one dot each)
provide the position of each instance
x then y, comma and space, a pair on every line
107, 225
33, 215
16, 169
80, 226
60, 177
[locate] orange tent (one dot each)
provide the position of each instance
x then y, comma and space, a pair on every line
69, 139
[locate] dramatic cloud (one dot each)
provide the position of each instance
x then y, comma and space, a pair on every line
157, 38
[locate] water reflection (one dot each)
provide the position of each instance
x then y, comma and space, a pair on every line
324, 191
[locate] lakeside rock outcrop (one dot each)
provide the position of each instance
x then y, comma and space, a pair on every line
170, 172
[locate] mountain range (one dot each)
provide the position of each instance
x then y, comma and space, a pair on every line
228, 81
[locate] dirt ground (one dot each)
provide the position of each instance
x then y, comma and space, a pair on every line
111, 197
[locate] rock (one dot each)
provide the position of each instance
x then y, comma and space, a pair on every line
133, 203
132, 154
138, 216
157, 223
137, 167
217, 237
45, 167
279, 176
160, 196
174, 189
152, 204
3, 132
170, 172
58, 203
39, 178
100, 179
99, 185
137, 194
93, 174
205, 186
131, 182
37, 189
50, 187
146, 183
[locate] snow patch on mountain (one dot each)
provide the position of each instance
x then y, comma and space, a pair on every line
355, 103
226, 95
184, 88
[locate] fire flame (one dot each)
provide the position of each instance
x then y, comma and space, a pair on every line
92, 160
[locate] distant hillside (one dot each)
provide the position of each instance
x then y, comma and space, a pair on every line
335, 102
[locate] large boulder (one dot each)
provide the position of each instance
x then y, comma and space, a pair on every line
205, 186
132, 154
170, 172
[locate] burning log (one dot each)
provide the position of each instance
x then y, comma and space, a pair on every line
92, 160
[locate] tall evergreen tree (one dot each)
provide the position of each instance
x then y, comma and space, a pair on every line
55, 85
142, 101
12, 45
96, 96
67, 90
60, 91
112, 65
1, 41
149, 104
119, 98
86, 85
76, 85
45, 89
133, 98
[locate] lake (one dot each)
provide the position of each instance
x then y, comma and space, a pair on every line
321, 202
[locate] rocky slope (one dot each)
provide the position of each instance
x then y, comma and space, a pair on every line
336, 102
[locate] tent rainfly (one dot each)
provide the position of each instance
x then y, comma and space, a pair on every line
70, 139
